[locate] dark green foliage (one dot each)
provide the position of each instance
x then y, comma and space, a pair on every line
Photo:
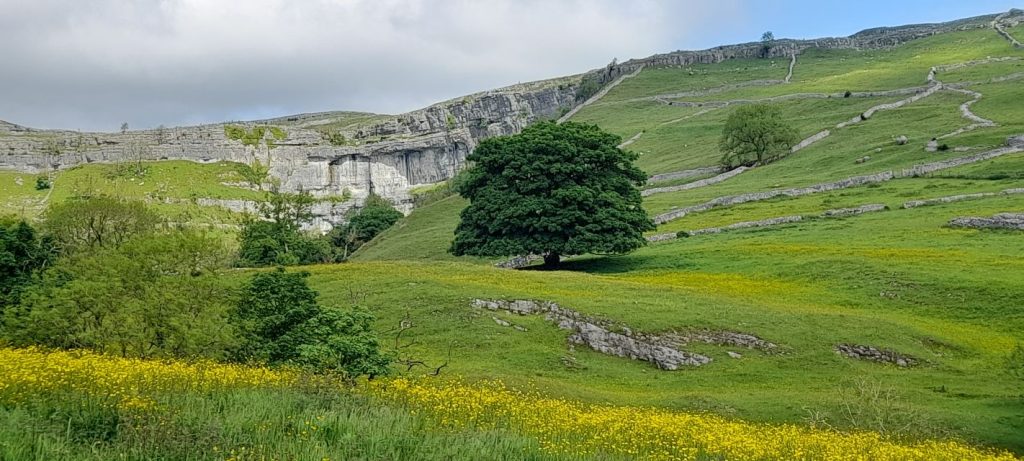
255, 174
271, 309
42, 183
755, 135
275, 236
847, 94
22, 253
154, 296
943, 147
551, 190
374, 217
89, 223
343, 342
589, 86
280, 321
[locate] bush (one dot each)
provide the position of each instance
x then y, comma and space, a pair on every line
847, 94
89, 223
22, 254
943, 147
42, 183
376, 216
153, 296
280, 322
275, 236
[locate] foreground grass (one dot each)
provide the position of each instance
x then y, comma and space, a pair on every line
78, 406
61, 405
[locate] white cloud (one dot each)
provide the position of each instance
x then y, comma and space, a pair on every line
90, 65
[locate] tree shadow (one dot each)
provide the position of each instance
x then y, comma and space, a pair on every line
597, 264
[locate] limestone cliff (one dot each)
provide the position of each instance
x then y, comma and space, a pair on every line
382, 154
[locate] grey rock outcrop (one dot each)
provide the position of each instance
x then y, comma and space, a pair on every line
862, 352
599, 335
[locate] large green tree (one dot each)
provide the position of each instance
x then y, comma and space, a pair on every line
755, 135
551, 190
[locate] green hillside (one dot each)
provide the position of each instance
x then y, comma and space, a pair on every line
898, 279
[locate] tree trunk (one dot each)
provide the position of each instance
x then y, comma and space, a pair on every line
551, 260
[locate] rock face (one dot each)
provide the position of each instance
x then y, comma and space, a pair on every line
387, 156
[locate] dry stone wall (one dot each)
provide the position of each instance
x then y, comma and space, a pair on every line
1013, 221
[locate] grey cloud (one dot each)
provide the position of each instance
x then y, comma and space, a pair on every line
92, 64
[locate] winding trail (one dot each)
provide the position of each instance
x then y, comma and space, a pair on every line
630, 140
600, 94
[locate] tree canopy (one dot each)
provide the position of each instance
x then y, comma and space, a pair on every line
551, 190
755, 135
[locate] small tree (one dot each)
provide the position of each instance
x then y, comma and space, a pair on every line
153, 296
280, 321
124, 127
275, 235
755, 135
767, 42
551, 190
376, 216
98, 222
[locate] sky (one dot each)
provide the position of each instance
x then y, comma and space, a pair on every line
92, 65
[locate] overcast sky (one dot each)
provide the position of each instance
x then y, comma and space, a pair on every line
93, 64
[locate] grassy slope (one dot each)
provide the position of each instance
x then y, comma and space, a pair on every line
170, 186
807, 287
882, 279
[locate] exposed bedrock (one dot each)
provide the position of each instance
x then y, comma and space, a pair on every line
870, 353
602, 336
